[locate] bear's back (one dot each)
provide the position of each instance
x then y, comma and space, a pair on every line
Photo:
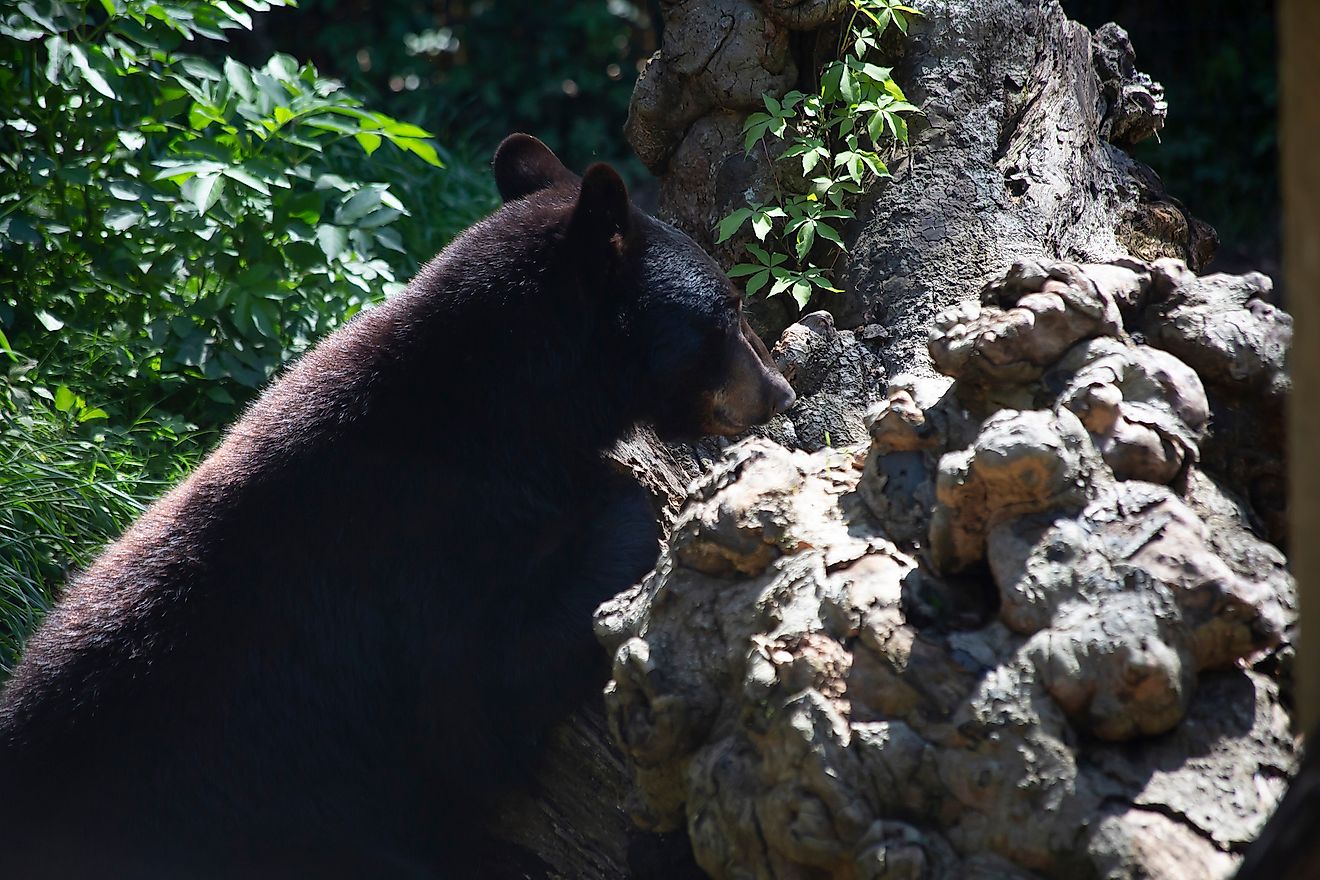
267, 622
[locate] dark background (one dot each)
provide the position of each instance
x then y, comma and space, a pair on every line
475, 70
1218, 152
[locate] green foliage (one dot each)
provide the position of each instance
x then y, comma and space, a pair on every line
172, 230
65, 495
561, 71
838, 135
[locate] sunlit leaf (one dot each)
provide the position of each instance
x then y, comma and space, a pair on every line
422, 149
247, 178
802, 293
368, 141
332, 239
358, 206
64, 398
49, 321
203, 191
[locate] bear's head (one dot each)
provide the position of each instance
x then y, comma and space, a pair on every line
697, 366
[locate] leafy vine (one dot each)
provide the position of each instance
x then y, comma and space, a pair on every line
838, 133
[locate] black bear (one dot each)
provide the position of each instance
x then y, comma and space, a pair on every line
348, 626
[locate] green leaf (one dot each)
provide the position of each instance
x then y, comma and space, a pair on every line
247, 178
179, 170
802, 293
199, 116
88, 415
424, 150
899, 125
304, 206
126, 190
236, 15
327, 122
283, 67
368, 141
806, 237
90, 73
761, 226
121, 218
754, 128
203, 191
730, 224
758, 281
743, 269
402, 129
362, 203
49, 321
862, 8
390, 240
264, 319
200, 68
64, 398
240, 79
332, 239
827, 232
848, 86
873, 72
875, 126
15, 29
830, 80
57, 50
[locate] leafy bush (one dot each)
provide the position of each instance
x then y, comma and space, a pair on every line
561, 71
172, 230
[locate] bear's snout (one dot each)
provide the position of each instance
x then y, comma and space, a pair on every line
783, 395
753, 390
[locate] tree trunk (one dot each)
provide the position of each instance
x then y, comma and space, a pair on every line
1026, 618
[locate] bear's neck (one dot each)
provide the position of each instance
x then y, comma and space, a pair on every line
535, 398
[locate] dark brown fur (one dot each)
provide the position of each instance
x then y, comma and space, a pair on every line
322, 652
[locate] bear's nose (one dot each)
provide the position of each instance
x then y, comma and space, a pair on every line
783, 397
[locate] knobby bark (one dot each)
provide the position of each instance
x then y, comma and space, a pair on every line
1003, 595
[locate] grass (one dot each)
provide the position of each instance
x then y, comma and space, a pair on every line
64, 494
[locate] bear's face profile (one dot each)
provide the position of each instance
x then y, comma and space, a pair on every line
697, 365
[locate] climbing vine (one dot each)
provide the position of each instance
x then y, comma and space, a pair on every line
837, 135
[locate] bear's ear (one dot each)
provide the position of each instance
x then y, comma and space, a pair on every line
601, 216
524, 165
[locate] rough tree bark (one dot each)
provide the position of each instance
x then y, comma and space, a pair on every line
1029, 616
